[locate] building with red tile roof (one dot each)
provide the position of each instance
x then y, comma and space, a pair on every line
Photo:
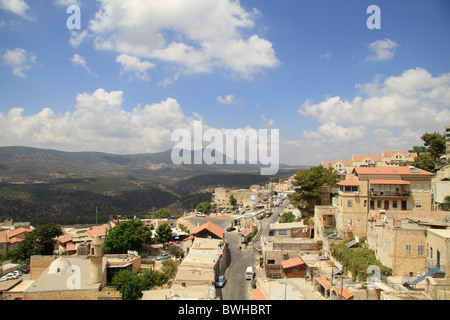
209, 229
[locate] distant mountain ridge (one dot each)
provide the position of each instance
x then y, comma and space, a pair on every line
34, 164
42, 185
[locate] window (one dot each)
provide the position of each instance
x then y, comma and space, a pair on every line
350, 222
349, 203
418, 187
420, 249
425, 187
408, 250
394, 204
271, 261
418, 204
358, 222
282, 232
378, 203
386, 204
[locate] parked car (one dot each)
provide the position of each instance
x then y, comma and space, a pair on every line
231, 229
17, 273
25, 269
220, 282
10, 276
200, 214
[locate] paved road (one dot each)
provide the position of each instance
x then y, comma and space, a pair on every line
237, 288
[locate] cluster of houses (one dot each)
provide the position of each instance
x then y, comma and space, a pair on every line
394, 206
385, 203
79, 269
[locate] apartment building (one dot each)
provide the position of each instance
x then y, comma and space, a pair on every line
386, 158
341, 166
372, 188
398, 157
367, 160
410, 241
284, 245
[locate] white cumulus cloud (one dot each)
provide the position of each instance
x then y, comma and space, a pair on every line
382, 49
389, 113
99, 122
196, 36
19, 7
80, 61
135, 66
20, 60
228, 99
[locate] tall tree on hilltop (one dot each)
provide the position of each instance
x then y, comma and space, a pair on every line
308, 183
429, 154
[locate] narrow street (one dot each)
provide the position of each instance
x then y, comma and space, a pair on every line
237, 288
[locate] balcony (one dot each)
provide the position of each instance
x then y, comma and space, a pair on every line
400, 194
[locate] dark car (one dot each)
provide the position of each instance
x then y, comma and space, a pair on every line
25, 270
231, 229
220, 282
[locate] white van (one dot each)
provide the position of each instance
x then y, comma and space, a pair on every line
249, 273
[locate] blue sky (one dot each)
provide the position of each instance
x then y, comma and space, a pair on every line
138, 70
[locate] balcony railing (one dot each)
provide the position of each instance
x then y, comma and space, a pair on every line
389, 194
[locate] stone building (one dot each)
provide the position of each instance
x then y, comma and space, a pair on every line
407, 241
73, 277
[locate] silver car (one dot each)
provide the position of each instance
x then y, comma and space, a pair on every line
220, 282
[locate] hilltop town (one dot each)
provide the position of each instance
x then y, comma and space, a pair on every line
379, 233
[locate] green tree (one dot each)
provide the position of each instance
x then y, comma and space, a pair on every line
204, 207
163, 233
287, 217
128, 235
39, 241
129, 284
169, 269
357, 260
418, 149
308, 183
435, 143
446, 205
233, 200
163, 213
175, 251
429, 154
425, 162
